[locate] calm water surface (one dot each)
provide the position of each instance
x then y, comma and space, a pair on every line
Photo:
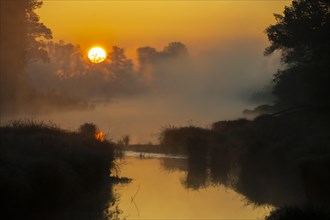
159, 194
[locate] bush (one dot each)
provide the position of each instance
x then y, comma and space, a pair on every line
47, 172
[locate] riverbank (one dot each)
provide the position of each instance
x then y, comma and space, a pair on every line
280, 160
50, 173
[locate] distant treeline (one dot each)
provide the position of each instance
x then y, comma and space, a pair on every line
50, 173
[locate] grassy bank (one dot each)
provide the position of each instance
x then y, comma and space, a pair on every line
280, 160
50, 173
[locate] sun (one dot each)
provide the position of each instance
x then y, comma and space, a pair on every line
97, 55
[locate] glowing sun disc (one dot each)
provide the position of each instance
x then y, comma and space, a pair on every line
96, 55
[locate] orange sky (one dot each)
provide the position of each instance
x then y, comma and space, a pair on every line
231, 32
131, 24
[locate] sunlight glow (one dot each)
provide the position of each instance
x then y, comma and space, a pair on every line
96, 55
99, 135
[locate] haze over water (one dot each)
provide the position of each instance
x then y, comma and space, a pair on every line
224, 69
224, 105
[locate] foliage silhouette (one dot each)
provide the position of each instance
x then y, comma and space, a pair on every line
302, 32
277, 160
50, 173
304, 213
23, 39
302, 35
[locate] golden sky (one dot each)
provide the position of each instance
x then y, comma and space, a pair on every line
132, 24
227, 37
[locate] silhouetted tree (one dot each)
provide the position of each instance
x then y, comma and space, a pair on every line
37, 34
22, 36
302, 35
175, 49
146, 55
149, 55
119, 61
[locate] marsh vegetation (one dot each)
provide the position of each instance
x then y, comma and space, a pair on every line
50, 173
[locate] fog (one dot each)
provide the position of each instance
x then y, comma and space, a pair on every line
43, 79
170, 86
243, 114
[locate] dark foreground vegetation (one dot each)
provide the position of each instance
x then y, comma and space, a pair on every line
279, 160
281, 157
50, 173
306, 212
274, 159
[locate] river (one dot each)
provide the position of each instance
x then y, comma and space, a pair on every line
157, 192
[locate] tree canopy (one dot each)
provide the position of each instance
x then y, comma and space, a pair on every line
302, 36
302, 33
23, 39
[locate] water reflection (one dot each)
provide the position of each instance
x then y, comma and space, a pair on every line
157, 192
174, 164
